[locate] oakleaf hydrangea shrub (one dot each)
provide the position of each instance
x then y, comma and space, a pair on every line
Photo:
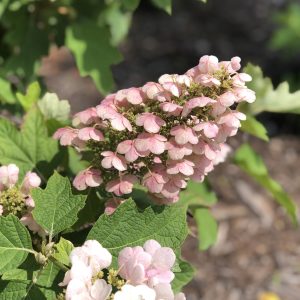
162, 134
159, 136
143, 273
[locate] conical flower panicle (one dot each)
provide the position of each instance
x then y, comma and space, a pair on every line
163, 133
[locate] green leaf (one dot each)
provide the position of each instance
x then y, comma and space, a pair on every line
40, 293
62, 251
3, 7
22, 35
278, 100
30, 148
183, 277
15, 243
118, 21
94, 55
255, 128
94, 206
207, 227
129, 226
49, 276
199, 197
13, 290
131, 4
42, 281
166, 5
250, 162
32, 95
24, 272
6, 94
56, 208
76, 163
53, 108
198, 194
286, 34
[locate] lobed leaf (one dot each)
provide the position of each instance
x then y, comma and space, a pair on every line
129, 226
93, 53
119, 22
278, 100
29, 147
56, 208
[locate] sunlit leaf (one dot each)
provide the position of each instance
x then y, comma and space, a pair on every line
94, 55
32, 95
29, 148
129, 226
56, 208
6, 94
255, 128
278, 100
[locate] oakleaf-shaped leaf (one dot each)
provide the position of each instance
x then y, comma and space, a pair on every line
128, 226
279, 100
118, 20
30, 146
251, 163
15, 243
93, 53
56, 208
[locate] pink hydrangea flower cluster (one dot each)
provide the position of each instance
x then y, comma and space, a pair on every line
150, 266
163, 133
144, 273
16, 199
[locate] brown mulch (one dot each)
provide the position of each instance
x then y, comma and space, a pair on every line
258, 249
